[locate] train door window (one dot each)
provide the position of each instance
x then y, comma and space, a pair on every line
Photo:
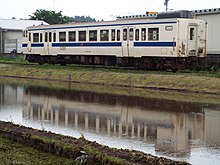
62, 36
143, 34
41, 37
131, 34
153, 34
82, 35
46, 37
137, 34
35, 37
54, 37
104, 35
72, 36
93, 35
50, 36
118, 35
125, 34
192, 33
113, 34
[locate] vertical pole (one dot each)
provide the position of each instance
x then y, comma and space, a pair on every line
1, 41
166, 4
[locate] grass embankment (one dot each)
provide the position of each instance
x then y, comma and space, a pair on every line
21, 145
12, 152
200, 98
202, 82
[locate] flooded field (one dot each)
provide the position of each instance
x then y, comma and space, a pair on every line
180, 130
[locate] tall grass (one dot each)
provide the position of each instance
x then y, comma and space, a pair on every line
13, 58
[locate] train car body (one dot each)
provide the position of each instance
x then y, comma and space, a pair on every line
147, 43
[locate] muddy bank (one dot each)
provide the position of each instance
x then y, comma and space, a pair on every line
78, 149
136, 79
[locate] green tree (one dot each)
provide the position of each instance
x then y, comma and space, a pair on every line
83, 19
50, 17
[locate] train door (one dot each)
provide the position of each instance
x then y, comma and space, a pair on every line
47, 43
128, 36
192, 39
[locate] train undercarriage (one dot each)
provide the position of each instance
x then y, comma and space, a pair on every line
145, 63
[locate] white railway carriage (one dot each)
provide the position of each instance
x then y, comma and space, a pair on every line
148, 43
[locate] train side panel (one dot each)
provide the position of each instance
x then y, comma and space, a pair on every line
153, 39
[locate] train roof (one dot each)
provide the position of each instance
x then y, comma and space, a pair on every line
129, 22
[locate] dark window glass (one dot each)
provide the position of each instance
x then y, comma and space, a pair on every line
118, 35
82, 35
41, 37
113, 34
137, 34
143, 34
62, 36
50, 36
54, 37
93, 35
125, 34
35, 37
192, 33
131, 34
46, 36
104, 35
153, 34
72, 36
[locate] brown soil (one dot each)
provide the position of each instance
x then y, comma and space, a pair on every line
71, 147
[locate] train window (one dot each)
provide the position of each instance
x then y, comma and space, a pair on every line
54, 37
104, 35
35, 37
82, 35
169, 28
192, 33
118, 35
137, 34
93, 35
131, 34
29, 36
46, 37
72, 36
50, 36
153, 34
143, 34
41, 37
125, 34
113, 34
62, 36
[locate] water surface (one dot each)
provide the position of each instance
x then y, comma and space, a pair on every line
178, 130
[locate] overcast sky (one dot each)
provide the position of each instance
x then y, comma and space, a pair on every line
98, 9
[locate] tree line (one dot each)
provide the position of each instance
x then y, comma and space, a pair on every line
52, 17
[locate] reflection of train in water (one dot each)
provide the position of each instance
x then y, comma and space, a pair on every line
169, 124
173, 43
